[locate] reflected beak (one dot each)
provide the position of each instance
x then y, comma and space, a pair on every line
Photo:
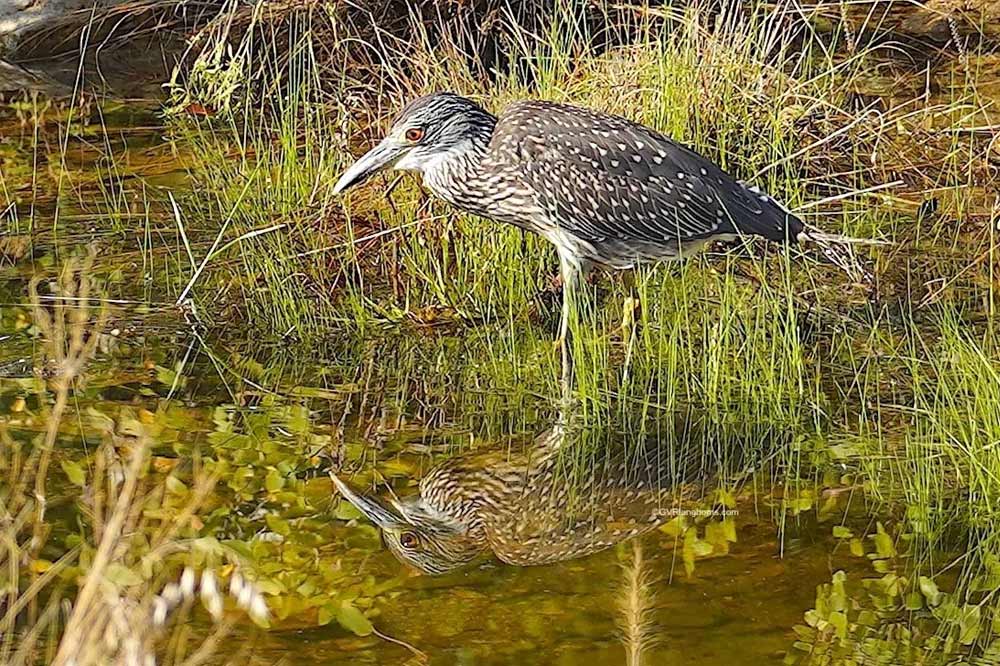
375, 511
382, 156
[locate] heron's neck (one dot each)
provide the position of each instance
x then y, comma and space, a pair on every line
457, 175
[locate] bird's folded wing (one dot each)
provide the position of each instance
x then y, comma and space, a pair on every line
602, 177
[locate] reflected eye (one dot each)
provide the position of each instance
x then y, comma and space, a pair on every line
408, 540
415, 134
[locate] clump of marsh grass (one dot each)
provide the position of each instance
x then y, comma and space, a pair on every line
945, 462
727, 336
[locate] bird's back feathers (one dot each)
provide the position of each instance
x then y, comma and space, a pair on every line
616, 184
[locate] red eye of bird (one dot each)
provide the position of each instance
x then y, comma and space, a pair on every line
408, 540
414, 134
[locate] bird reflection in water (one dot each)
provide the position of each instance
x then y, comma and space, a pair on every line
529, 507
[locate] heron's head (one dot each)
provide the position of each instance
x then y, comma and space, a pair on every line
428, 131
417, 534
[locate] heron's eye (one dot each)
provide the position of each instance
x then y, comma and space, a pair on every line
408, 540
414, 134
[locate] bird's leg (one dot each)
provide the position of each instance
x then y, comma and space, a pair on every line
570, 271
566, 377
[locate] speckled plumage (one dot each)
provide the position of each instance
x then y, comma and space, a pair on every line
525, 508
603, 189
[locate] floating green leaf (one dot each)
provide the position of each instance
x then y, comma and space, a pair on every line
969, 624
326, 614
347, 511
884, 547
930, 591
353, 620
277, 524
274, 481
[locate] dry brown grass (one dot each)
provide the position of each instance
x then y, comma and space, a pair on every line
112, 599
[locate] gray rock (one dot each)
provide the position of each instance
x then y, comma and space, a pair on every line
18, 17
16, 77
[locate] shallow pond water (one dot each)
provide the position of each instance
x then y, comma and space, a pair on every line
739, 602
740, 606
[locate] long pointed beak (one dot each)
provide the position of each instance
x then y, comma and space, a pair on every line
376, 512
380, 157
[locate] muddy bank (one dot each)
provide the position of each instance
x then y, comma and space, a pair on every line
41, 40
19, 18
952, 18
108, 47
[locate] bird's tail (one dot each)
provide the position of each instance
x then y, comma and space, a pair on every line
839, 251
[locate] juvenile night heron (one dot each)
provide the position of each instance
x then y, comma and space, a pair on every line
604, 190
525, 507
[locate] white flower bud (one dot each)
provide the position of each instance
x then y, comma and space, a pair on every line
209, 586
187, 582
258, 608
160, 609
245, 596
171, 594
235, 585
210, 594
214, 607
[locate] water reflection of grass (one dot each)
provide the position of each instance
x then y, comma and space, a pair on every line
636, 605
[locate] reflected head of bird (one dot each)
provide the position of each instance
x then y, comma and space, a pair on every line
427, 133
416, 534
